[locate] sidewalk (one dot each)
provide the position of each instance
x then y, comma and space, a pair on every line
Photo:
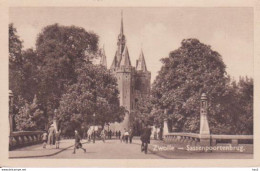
38, 151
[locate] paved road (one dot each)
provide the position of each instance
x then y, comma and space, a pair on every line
111, 149
114, 149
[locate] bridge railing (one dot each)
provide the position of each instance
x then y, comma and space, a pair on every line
24, 138
204, 137
194, 139
182, 138
233, 139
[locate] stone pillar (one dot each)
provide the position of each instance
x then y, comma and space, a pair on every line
11, 114
55, 120
165, 125
204, 125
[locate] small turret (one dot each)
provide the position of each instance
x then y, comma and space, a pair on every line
140, 63
114, 63
103, 60
125, 61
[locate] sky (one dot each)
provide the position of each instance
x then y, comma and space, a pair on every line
157, 31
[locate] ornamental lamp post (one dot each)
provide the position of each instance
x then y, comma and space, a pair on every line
204, 124
94, 116
11, 102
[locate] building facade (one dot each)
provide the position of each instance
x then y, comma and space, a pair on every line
134, 82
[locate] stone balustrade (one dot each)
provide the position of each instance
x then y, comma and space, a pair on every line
24, 138
204, 138
194, 139
233, 139
182, 138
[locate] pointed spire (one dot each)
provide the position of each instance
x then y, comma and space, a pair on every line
103, 60
114, 63
122, 25
140, 63
125, 61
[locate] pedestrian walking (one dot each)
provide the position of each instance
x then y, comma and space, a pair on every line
106, 134
103, 135
119, 134
57, 138
110, 134
51, 135
155, 135
78, 143
90, 131
145, 138
123, 136
44, 139
131, 134
126, 136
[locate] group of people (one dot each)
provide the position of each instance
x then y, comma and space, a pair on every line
127, 136
118, 134
51, 137
105, 134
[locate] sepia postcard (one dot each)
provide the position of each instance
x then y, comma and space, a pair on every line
102, 83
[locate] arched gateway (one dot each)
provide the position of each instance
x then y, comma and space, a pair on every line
133, 82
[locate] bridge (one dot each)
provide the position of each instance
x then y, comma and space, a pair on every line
27, 144
115, 149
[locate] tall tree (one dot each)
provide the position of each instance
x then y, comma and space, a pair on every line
187, 72
61, 50
30, 72
141, 114
94, 92
15, 61
246, 100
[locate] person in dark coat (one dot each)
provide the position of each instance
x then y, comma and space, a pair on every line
77, 143
131, 134
145, 138
119, 134
110, 134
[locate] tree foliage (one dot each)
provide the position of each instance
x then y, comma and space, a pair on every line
22, 71
61, 50
15, 60
94, 92
60, 68
237, 107
30, 117
189, 71
141, 114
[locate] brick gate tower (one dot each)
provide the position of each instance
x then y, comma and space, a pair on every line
133, 82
